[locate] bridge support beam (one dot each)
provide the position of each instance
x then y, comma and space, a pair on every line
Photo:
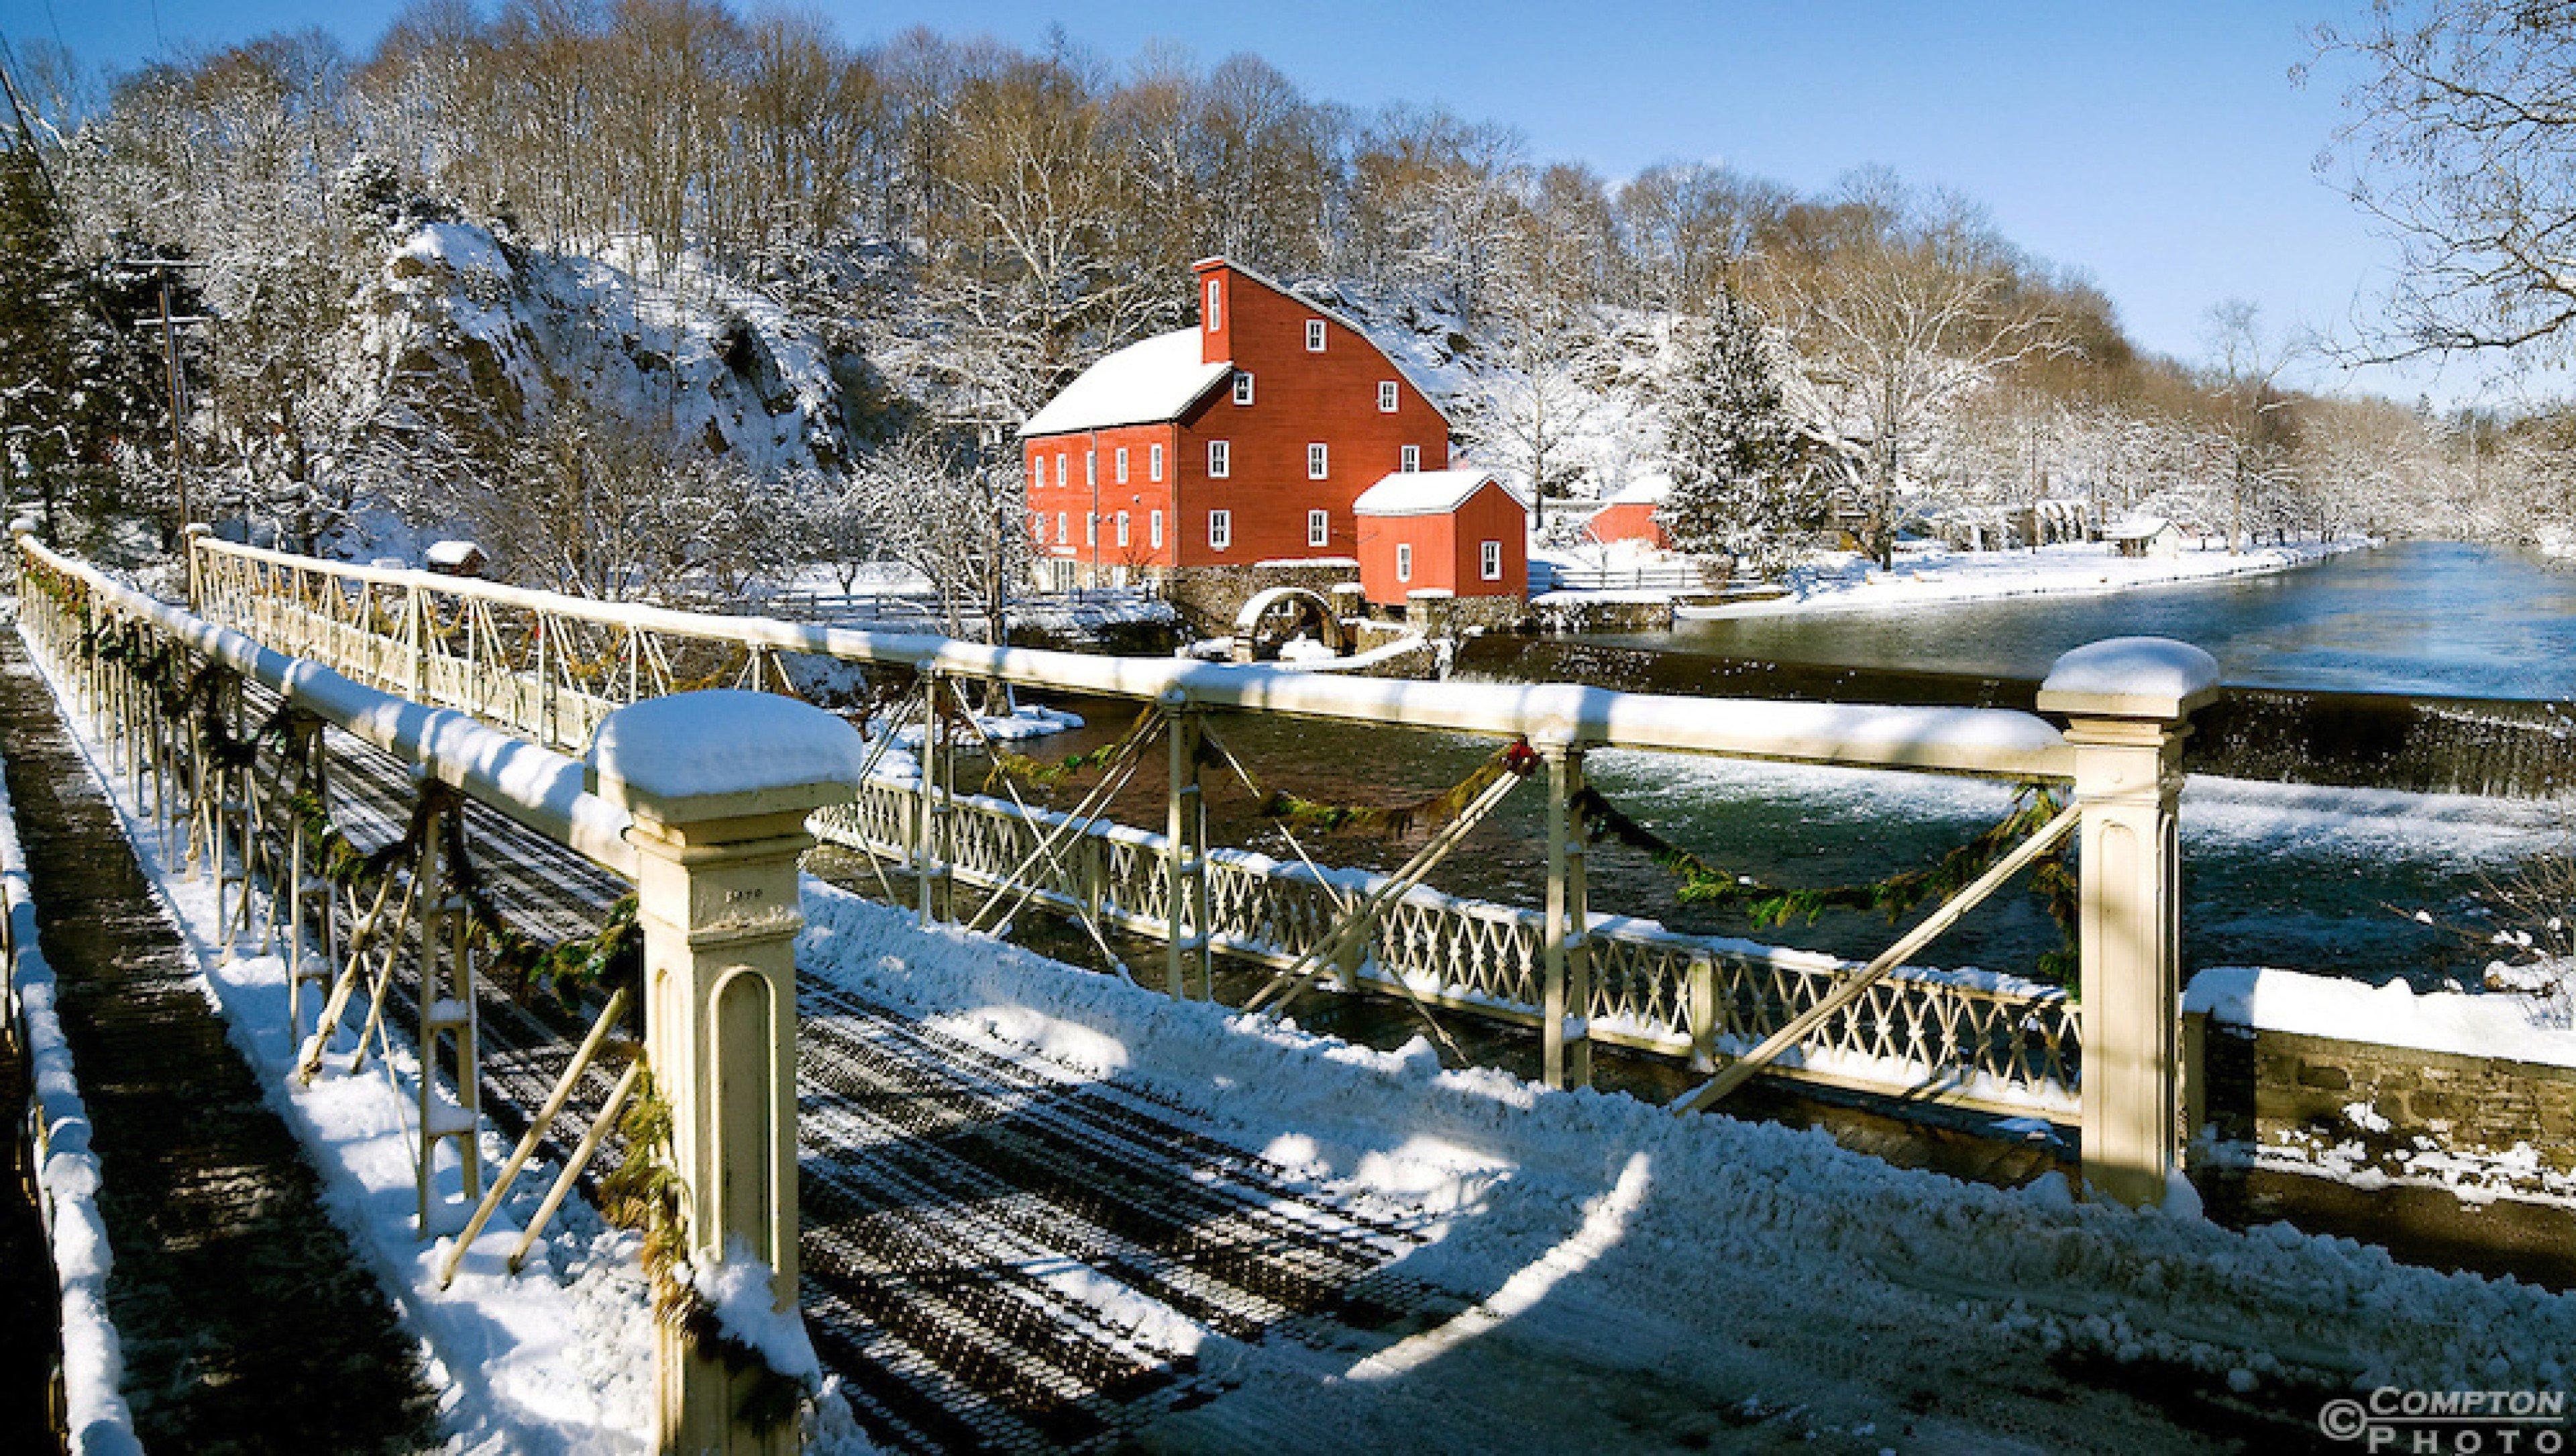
719, 785
1565, 1039
2128, 704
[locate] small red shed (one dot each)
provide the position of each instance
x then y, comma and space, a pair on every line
1460, 531
1631, 516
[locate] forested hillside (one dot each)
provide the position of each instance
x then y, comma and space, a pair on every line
654, 291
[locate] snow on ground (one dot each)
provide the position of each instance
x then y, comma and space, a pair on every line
67, 1181
556, 1360
2469, 1024
1620, 1273
1926, 573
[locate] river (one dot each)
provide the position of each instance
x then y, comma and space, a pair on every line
2422, 617
2326, 878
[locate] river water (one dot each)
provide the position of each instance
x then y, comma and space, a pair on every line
2335, 879
2423, 617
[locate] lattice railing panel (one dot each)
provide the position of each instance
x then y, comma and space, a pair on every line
1998, 1047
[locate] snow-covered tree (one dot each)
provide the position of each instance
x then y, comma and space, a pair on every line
1912, 316
955, 512
1741, 488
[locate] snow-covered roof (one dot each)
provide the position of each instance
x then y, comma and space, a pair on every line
1138, 385
1649, 491
2136, 528
1426, 492
1304, 300
451, 553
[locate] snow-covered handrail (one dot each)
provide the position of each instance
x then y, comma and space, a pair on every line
535, 786
1982, 741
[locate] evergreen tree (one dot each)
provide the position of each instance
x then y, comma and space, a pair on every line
38, 302
1741, 488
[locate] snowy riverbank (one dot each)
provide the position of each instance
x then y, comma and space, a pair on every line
1927, 575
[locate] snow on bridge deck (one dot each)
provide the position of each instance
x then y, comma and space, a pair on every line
1046, 1209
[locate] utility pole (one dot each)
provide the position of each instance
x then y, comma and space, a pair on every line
178, 405
171, 323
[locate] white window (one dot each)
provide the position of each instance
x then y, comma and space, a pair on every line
1122, 465
1314, 336
1154, 463
1409, 459
1091, 528
1122, 534
1215, 304
1492, 561
1059, 472
1062, 533
1242, 387
1154, 530
1386, 396
1037, 472
1220, 530
1037, 527
1319, 528
1318, 462
1091, 467
1219, 459
1403, 562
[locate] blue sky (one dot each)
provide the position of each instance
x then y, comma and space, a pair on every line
2158, 147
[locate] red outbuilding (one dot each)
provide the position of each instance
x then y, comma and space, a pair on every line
1244, 439
1631, 515
1459, 531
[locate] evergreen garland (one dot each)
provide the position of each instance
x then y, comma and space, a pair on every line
1390, 820
644, 1194
1767, 905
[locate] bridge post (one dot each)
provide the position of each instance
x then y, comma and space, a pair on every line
1185, 854
2128, 703
1565, 1040
931, 837
719, 784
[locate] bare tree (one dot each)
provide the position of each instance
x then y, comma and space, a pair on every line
1903, 326
2254, 419
2462, 145
957, 514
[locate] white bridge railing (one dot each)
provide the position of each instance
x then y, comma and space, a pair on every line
1917, 1033
551, 667
667, 801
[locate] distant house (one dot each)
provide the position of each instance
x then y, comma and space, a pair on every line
1458, 531
1242, 440
2144, 536
455, 558
1631, 515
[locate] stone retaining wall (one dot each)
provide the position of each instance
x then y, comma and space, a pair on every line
1208, 597
2361, 1107
1569, 612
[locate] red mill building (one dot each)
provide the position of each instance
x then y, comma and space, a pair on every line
1244, 442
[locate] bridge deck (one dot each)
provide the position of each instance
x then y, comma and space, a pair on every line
247, 1323
948, 1193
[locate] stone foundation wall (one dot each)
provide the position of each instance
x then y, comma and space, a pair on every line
1208, 597
2394, 1110
1567, 613
1442, 615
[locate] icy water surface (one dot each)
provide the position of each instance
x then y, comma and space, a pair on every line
2318, 879
2434, 617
